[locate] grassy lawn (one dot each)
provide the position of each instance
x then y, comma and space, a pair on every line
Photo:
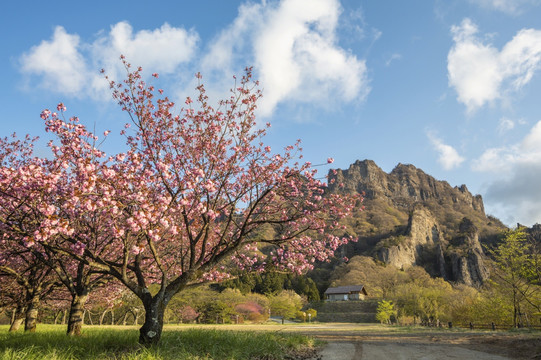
104, 343
268, 341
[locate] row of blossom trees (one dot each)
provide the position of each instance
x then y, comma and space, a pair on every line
180, 206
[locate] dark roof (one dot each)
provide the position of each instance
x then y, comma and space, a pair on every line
346, 289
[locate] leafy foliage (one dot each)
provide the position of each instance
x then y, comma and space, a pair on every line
286, 304
272, 282
385, 311
518, 272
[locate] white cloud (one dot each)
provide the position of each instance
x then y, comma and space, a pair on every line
392, 58
515, 189
58, 62
293, 45
512, 7
448, 156
66, 65
505, 125
481, 74
161, 49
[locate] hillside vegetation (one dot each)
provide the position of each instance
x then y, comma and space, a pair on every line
430, 249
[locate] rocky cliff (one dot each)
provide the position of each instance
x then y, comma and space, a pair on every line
413, 219
404, 186
406, 249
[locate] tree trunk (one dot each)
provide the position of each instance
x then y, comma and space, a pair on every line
64, 317
102, 316
32, 314
17, 318
75, 320
136, 313
151, 331
89, 317
125, 318
515, 322
16, 324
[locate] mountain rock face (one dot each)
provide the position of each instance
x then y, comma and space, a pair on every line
422, 233
467, 256
413, 219
404, 186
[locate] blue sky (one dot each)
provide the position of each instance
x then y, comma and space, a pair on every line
452, 87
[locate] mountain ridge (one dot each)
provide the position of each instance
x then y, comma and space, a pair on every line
411, 218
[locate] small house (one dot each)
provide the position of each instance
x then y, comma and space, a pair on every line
345, 293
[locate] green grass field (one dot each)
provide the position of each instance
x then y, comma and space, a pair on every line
104, 343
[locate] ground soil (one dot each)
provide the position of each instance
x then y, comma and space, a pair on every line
356, 344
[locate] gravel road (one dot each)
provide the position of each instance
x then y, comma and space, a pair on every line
370, 342
402, 351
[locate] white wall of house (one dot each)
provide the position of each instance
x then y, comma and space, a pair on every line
345, 297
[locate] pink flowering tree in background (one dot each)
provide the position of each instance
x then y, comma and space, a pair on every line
78, 218
187, 314
40, 215
185, 203
12, 298
27, 281
23, 189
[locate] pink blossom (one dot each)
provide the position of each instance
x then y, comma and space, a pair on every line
330, 160
78, 248
45, 114
29, 242
137, 249
179, 172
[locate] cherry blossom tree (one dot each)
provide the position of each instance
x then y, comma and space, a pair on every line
35, 215
210, 183
12, 297
25, 281
185, 202
187, 314
22, 189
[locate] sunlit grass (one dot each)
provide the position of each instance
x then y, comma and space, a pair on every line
205, 342
50, 342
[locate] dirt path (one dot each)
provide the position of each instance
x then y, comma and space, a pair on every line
358, 342
402, 351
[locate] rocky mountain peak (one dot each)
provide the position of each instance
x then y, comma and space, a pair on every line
411, 218
404, 187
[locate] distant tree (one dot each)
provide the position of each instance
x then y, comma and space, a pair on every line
285, 304
517, 272
250, 310
217, 311
385, 311
187, 314
270, 282
27, 281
